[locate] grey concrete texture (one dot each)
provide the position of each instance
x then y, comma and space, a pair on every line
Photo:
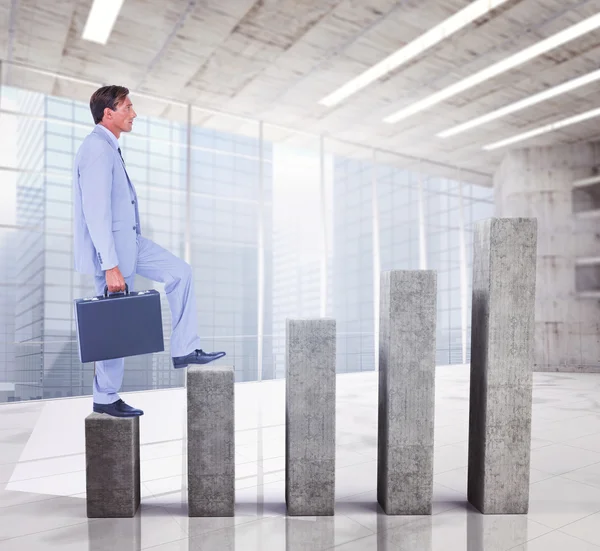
112, 460
502, 358
406, 391
537, 182
310, 417
211, 441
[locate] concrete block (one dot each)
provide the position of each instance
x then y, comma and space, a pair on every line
310, 417
502, 358
407, 353
112, 458
211, 439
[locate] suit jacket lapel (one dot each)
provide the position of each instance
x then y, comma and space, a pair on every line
103, 135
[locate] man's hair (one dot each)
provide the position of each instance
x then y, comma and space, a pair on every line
107, 96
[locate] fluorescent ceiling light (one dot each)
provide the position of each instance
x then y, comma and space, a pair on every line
412, 49
544, 129
522, 104
101, 20
571, 33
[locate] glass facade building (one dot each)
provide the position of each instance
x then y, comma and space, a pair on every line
271, 230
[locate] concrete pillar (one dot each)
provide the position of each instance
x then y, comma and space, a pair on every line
538, 182
310, 417
210, 422
502, 342
406, 392
112, 458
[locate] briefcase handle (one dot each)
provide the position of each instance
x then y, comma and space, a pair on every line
116, 294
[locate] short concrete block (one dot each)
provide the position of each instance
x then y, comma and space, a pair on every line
502, 358
406, 392
112, 457
211, 441
310, 417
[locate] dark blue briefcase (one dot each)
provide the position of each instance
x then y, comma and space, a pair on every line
119, 325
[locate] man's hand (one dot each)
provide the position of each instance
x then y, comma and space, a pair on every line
115, 280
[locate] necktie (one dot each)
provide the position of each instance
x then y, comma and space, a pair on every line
119, 150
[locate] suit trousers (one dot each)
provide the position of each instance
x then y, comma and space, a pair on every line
155, 263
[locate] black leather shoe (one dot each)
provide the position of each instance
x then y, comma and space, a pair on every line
118, 409
197, 357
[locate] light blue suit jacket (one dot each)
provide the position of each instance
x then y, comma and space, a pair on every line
106, 217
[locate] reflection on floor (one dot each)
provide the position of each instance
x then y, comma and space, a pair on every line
42, 476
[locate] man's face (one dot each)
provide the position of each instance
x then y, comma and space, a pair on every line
123, 117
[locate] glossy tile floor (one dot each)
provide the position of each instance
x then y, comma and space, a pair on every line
42, 476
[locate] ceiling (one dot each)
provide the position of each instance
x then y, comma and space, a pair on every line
274, 60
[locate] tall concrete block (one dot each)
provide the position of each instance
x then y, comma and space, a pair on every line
112, 461
211, 439
310, 417
406, 392
502, 357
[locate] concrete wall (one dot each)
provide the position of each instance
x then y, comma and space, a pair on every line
538, 182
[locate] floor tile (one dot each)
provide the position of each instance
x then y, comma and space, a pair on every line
560, 459
589, 442
456, 479
151, 526
158, 450
570, 429
452, 434
163, 467
364, 509
538, 476
585, 529
51, 466
20, 520
540, 443
450, 457
556, 541
457, 530
586, 475
565, 476
66, 484
558, 501
355, 479
273, 534
8, 498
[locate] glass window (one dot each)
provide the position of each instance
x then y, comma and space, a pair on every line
59, 109
59, 143
159, 130
58, 160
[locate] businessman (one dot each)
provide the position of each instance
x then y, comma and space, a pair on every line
109, 243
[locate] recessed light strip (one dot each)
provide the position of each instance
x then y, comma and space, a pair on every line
524, 103
412, 49
101, 20
544, 129
554, 41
